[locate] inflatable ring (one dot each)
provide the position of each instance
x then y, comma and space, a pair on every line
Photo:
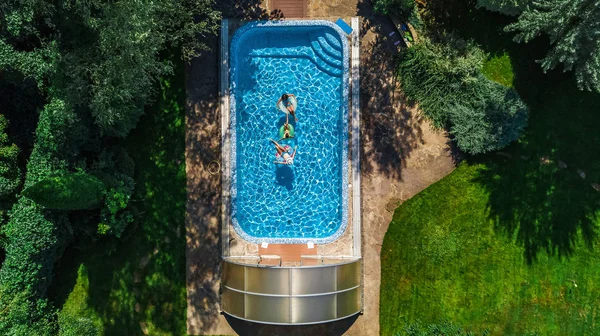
282, 131
292, 100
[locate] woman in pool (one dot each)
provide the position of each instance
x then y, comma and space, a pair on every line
288, 103
283, 153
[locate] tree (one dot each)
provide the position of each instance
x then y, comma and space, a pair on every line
574, 30
492, 122
507, 7
78, 191
445, 79
10, 173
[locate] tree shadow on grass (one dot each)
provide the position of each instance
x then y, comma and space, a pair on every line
391, 127
545, 208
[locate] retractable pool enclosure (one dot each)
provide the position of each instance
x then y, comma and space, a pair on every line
291, 295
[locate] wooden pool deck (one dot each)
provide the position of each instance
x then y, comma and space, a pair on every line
290, 8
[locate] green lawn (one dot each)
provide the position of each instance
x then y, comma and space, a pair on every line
447, 257
506, 243
102, 280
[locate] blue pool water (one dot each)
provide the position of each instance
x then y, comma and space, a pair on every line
305, 201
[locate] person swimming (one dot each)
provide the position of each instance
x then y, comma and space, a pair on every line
288, 130
287, 102
283, 155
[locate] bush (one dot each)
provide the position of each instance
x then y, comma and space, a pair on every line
401, 7
446, 80
10, 173
76, 191
491, 123
437, 75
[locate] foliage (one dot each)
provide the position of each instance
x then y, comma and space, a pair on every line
35, 237
10, 173
96, 63
508, 7
492, 123
96, 279
22, 317
115, 88
76, 191
574, 30
387, 6
445, 78
113, 217
436, 74
36, 64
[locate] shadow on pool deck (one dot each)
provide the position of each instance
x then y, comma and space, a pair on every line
391, 128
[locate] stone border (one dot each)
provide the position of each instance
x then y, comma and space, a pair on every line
356, 204
232, 187
225, 136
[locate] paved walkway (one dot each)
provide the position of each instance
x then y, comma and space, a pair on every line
401, 156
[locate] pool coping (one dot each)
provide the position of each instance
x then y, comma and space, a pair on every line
229, 192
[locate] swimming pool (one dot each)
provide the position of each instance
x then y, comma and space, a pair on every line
306, 201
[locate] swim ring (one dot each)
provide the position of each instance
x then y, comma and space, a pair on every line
282, 131
282, 107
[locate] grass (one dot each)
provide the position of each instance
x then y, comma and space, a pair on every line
104, 280
499, 69
501, 243
445, 257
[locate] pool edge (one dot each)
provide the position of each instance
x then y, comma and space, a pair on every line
229, 134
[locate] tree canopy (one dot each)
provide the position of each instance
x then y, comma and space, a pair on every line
508, 7
94, 65
574, 30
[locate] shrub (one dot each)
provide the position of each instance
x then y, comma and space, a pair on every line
437, 74
402, 7
446, 80
10, 173
76, 191
490, 123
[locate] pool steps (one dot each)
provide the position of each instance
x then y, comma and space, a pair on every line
323, 47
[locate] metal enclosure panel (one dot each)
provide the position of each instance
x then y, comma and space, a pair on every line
268, 308
313, 280
233, 275
348, 275
268, 280
349, 302
233, 302
313, 308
